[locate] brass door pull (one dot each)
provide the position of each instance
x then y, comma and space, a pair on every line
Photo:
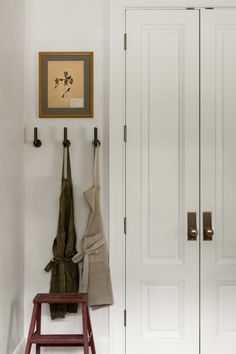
193, 234
208, 232
192, 226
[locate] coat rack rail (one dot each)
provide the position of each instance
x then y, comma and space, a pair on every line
66, 142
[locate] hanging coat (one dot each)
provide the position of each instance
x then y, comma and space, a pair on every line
65, 274
96, 279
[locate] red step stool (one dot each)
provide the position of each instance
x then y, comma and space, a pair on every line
85, 339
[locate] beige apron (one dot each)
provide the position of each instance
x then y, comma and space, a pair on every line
96, 279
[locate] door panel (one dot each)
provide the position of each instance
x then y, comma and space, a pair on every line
218, 187
162, 181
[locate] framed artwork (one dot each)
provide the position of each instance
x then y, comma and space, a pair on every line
65, 84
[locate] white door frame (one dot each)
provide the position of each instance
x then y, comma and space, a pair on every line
116, 148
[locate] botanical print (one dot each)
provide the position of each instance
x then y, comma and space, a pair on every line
65, 84
66, 80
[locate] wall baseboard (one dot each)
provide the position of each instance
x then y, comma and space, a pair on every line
20, 348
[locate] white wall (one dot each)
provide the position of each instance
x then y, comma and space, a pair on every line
11, 167
59, 25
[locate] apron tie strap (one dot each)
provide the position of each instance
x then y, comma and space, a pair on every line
96, 177
56, 260
92, 244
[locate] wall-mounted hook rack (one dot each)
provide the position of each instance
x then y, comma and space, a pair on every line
37, 143
96, 141
66, 142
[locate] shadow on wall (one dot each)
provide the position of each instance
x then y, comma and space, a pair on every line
14, 326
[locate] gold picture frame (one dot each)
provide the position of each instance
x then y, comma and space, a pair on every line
66, 85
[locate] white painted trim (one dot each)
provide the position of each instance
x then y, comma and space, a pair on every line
116, 148
20, 348
116, 178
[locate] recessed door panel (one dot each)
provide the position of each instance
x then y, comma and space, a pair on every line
218, 185
162, 181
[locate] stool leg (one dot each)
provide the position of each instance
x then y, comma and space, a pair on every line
31, 329
90, 331
85, 329
38, 328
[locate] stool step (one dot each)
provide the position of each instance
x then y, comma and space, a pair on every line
65, 298
54, 340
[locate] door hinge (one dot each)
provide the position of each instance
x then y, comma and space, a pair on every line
209, 8
125, 318
125, 41
190, 8
125, 133
125, 225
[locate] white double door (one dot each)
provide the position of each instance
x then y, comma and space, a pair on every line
180, 159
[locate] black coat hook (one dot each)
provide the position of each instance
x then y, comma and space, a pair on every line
37, 143
66, 142
96, 142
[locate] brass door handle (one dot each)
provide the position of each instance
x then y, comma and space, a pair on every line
208, 232
193, 234
192, 226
